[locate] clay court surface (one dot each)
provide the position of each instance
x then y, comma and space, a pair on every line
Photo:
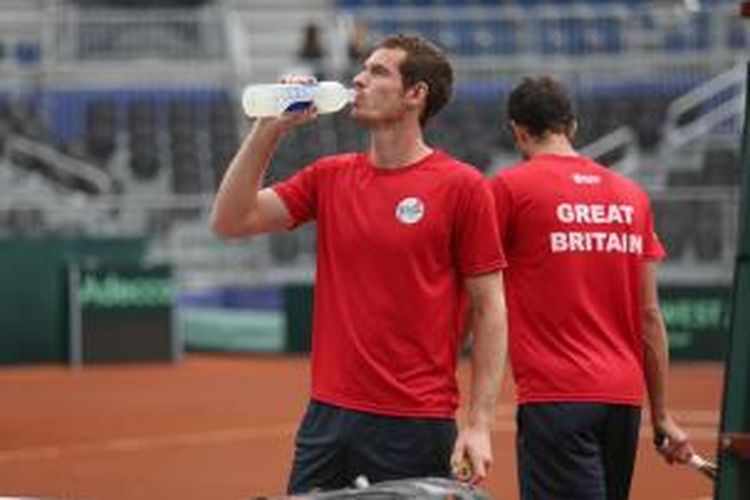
222, 427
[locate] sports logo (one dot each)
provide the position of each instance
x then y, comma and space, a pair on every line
410, 210
586, 178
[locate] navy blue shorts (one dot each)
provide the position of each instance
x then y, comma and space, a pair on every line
335, 445
576, 451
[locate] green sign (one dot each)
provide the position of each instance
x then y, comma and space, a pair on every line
697, 320
109, 289
121, 313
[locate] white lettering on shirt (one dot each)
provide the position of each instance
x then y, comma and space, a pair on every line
586, 179
596, 214
558, 242
565, 213
578, 241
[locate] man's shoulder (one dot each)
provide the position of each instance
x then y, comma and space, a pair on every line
516, 172
624, 183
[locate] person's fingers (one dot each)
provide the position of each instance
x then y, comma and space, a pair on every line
294, 119
683, 452
479, 464
460, 465
299, 79
678, 450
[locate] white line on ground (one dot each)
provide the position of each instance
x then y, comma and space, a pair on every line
704, 428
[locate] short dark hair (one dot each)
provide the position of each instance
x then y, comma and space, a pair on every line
424, 62
541, 104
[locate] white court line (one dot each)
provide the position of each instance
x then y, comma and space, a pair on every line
504, 424
147, 442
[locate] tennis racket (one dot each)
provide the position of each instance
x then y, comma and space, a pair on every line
706, 467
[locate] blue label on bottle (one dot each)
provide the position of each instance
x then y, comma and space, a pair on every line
298, 106
300, 98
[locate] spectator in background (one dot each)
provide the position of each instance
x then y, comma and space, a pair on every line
585, 327
311, 52
358, 46
406, 238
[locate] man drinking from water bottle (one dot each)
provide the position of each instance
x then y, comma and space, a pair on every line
405, 234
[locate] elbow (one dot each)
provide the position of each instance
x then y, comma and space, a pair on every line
225, 227
653, 326
651, 316
228, 225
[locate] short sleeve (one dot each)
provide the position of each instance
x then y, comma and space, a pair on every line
300, 194
478, 248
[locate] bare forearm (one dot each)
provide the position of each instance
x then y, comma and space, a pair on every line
656, 363
488, 361
237, 197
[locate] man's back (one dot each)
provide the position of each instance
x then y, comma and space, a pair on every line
573, 279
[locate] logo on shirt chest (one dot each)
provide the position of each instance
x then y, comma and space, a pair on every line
410, 210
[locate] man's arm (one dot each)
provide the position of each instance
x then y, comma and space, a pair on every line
241, 207
489, 330
656, 365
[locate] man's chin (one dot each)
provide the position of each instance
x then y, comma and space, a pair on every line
359, 117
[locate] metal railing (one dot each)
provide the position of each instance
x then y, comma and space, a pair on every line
130, 34
61, 168
699, 112
621, 139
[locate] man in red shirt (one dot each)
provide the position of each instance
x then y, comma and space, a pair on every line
405, 234
585, 327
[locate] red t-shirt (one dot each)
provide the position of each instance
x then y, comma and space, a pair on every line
393, 248
575, 235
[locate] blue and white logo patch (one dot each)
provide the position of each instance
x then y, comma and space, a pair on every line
410, 210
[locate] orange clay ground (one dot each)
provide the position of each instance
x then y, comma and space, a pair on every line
222, 427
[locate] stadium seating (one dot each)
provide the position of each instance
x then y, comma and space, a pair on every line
562, 28
177, 135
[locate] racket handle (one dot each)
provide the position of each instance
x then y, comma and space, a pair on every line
697, 462
707, 467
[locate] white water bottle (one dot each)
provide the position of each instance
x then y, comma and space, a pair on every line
273, 99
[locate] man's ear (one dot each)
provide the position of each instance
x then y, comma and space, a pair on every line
520, 133
572, 130
418, 91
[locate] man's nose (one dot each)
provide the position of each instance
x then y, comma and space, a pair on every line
359, 80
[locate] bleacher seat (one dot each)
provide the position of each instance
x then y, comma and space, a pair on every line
142, 136
673, 221
28, 52
101, 126
738, 35
707, 230
721, 167
605, 36
222, 135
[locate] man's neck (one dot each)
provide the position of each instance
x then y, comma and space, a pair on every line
555, 144
396, 147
